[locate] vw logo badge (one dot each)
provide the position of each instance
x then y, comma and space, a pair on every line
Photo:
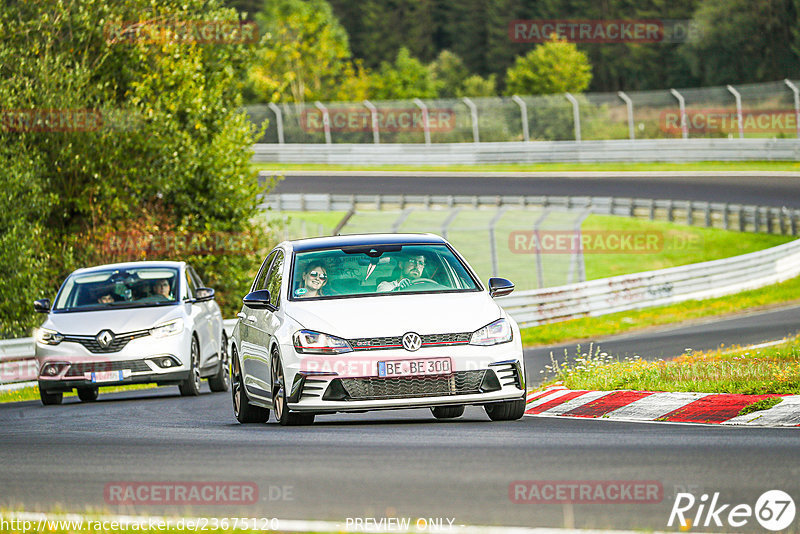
105, 338
412, 341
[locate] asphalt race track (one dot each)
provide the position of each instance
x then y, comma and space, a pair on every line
400, 463
754, 189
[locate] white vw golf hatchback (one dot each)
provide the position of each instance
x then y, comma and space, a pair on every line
373, 322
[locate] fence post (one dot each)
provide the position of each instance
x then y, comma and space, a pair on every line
539, 261
629, 105
425, 122
449, 220
492, 240
279, 118
473, 111
523, 110
376, 136
738, 98
682, 104
326, 121
796, 92
576, 115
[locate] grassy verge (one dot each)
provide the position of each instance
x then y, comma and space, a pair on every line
547, 167
622, 322
771, 370
32, 392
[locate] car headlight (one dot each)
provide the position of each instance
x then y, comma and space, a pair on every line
310, 342
167, 329
492, 334
48, 337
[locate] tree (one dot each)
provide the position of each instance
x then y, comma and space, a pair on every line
556, 66
406, 78
721, 52
304, 55
119, 127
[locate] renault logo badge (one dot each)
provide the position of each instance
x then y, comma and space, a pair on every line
104, 338
412, 341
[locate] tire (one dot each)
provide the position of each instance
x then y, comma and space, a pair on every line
242, 409
191, 386
50, 399
506, 411
447, 412
279, 401
221, 381
88, 394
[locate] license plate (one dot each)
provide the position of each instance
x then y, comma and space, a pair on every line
107, 376
421, 367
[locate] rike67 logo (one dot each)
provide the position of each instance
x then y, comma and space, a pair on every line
774, 510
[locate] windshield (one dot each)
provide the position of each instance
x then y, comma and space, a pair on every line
375, 270
118, 288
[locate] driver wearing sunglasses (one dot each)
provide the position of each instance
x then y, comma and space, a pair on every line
313, 280
411, 269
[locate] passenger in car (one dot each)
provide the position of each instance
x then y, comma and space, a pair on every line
105, 298
313, 281
411, 269
161, 290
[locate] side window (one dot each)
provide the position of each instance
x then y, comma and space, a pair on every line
275, 278
261, 277
196, 278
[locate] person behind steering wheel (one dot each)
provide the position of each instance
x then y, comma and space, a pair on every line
411, 269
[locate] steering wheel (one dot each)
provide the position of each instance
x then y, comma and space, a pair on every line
419, 283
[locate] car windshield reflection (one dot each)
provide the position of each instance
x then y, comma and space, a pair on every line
118, 288
378, 270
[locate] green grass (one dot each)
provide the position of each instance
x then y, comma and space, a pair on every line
679, 245
772, 370
32, 392
763, 404
547, 167
618, 323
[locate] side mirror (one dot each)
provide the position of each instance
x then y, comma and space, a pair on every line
42, 306
500, 287
258, 300
203, 294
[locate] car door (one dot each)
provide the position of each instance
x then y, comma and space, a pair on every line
254, 348
211, 321
197, 314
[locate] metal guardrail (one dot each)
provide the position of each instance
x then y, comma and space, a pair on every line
17, 363
641, 150
744, 218
655, 288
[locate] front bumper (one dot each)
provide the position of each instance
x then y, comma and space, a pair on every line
161, 379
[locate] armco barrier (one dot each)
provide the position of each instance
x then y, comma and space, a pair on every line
769, 219
654, 288
671, 150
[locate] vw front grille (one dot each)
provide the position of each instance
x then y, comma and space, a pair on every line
458, 383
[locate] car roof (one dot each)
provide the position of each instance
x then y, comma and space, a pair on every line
131, 265
359, 240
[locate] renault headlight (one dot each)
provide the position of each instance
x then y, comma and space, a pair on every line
492, 334
310, 342
167, 329
46, 336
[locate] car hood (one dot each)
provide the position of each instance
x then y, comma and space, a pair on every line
394, 315
89, 323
